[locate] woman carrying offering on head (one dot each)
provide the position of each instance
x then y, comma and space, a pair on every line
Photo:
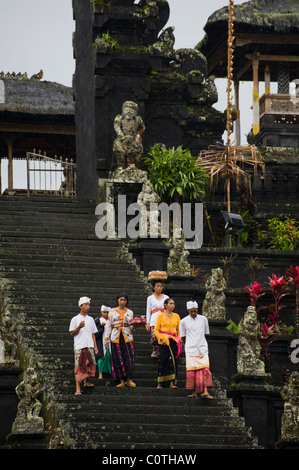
154, 306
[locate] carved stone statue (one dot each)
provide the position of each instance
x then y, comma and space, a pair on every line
28, 419
290, 417
147, 197
177, 263
249, 348
214, 303
165, 43
127, 147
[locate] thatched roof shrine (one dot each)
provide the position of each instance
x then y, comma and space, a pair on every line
269, 27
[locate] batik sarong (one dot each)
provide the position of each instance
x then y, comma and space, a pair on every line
154, 341
198, 374
85, 364
122, 359
168, 362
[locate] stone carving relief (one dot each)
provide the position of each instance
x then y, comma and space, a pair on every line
28, 419
214, 303
249, 348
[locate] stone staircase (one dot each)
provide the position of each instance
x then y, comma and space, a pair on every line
49, 257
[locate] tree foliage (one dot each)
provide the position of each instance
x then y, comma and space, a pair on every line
174, 175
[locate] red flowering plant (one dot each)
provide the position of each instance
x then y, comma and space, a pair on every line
279, 290
293, 278
272, 324
267, 336
255, 291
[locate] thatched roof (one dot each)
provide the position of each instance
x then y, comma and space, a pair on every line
268, 26
36, 97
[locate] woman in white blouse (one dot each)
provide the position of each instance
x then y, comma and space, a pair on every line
119, 331
155, 306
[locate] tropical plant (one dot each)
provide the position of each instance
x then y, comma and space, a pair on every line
106, 39
174, 175
247, 210
254, 266
285, 234
255, 291
233, 327
272, 325
267, 336
293, 273
228, 265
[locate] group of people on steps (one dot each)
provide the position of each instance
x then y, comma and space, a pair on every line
107, 342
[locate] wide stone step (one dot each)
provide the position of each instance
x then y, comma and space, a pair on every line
139, 447
173, 439
49, 256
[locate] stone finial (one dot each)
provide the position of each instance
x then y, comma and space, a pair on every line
214, 303
129, 126
290, 417
28, 419
249, 348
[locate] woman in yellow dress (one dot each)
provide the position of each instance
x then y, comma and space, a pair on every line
167, 332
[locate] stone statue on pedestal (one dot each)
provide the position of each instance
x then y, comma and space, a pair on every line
249, 348
129, 126
214, 304
28, 419
290, 417
177, 264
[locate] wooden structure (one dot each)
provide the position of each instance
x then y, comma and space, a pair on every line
35, 114
266, 49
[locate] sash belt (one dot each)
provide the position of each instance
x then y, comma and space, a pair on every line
179, 341
158, 310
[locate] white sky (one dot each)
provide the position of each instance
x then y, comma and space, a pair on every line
37, 34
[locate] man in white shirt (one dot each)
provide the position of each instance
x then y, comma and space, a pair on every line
193, 329
83, 329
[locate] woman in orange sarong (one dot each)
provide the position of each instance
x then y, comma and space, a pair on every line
168, 334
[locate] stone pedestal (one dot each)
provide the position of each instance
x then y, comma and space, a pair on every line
9, 379
287, 444
181, 289
222, 351
261, 405
150, 255
27, 440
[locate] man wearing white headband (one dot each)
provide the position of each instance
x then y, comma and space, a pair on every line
193, 329
83, 329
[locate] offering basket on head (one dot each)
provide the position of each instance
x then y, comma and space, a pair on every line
157, 276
